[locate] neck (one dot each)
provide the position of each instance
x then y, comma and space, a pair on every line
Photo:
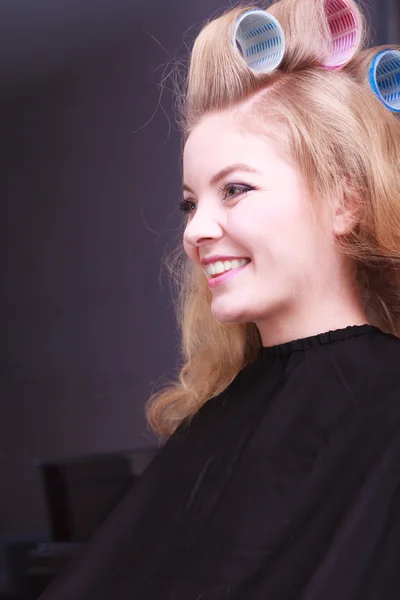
326, 312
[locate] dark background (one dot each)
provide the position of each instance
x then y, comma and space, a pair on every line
90, 181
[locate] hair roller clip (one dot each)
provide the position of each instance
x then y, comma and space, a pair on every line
345, 29
259, 38
384, 78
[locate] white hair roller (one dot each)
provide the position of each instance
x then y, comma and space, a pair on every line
259, 38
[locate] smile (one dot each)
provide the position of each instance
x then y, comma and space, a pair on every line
219, 267
220, 271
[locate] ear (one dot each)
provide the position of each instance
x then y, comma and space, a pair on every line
346, 215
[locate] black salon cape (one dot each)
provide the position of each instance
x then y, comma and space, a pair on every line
285, 487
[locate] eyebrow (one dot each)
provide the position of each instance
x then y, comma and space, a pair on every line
215, 179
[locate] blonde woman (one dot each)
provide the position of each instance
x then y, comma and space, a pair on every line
280, 476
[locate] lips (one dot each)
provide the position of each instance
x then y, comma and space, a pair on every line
219, 267
213, 259
226, 275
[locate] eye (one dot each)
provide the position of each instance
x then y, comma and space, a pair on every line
229, 189
187, 206
235, 189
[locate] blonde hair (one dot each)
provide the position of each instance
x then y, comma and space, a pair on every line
346, 144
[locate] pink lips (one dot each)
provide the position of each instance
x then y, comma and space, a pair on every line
214, 281
210, 259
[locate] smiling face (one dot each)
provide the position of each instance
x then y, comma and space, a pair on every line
245, 203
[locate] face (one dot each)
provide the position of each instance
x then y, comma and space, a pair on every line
251, 226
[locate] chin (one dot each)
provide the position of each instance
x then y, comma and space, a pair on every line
230, 314
246, 310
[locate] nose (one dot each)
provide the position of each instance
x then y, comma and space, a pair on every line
203, 226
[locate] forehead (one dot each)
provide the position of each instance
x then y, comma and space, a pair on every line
220, 139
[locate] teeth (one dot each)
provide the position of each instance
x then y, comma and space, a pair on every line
227, 265
219, 267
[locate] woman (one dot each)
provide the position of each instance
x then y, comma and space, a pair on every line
280, 478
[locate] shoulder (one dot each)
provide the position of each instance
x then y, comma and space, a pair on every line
382, 360
372, 359
379, 369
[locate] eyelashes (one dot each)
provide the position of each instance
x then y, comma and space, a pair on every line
187, 206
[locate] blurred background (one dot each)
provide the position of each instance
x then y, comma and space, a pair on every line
90, 182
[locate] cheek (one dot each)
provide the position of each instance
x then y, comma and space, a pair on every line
192, 252
272, 226
251, 227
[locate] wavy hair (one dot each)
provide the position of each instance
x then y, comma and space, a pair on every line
346, 144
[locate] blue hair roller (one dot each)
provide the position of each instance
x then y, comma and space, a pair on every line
384, 78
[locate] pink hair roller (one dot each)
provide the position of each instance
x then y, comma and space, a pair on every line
345, 30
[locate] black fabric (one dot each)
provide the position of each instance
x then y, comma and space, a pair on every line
285, 487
